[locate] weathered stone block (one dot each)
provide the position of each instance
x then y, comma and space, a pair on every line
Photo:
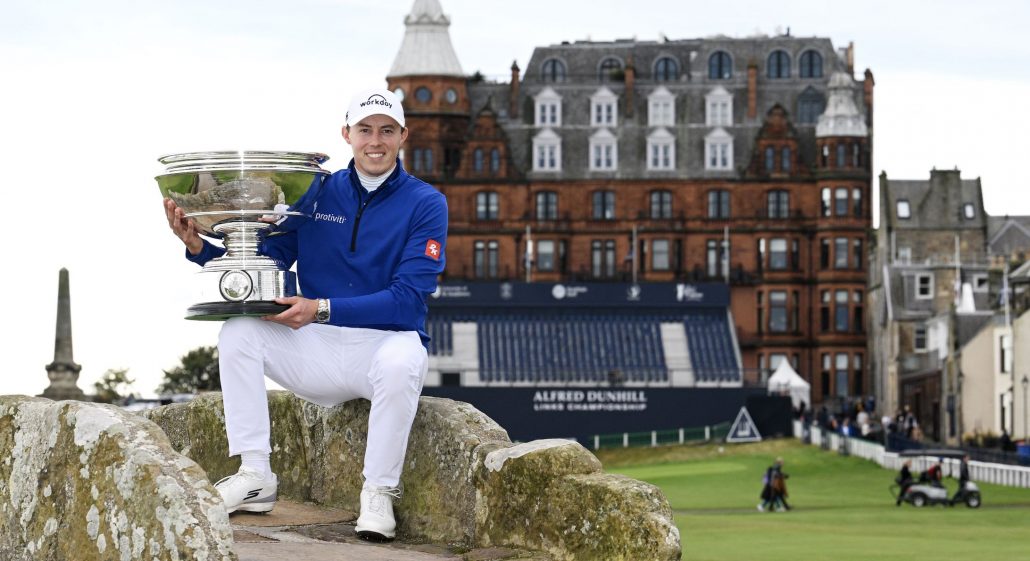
92, 482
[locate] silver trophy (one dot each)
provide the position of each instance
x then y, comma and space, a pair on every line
243, 197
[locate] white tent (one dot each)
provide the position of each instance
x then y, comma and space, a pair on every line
785, 381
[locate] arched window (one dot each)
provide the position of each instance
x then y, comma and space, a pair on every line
778, 65
495, 160
477, 160
609, 70
720, 66
666, 70
553, 70
811, 65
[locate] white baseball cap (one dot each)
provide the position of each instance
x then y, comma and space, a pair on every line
376, 101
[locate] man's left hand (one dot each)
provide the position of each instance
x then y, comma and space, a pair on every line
301, 312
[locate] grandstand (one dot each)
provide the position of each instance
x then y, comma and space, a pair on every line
588, 335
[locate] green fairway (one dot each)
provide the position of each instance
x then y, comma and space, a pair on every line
842, 508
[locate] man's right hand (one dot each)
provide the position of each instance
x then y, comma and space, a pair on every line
183, 227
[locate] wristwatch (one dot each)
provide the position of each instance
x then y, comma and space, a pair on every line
322, 315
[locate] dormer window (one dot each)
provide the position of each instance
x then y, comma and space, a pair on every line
547, 151
720, 66
604, 151
904, 211
719, 150
719, 108
610, 70
553, 70
548, 108
604, 108
968, 212
661, 109
661, 150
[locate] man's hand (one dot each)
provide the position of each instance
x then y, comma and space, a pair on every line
301, 312
183, 227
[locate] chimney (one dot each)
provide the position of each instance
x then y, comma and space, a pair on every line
513, 105
867, 89
630, 78
752, 90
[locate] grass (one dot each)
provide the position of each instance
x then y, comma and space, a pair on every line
842, 508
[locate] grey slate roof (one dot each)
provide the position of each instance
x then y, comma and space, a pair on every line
1008, 234
935, 203
582, 60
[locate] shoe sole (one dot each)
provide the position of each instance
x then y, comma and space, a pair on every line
371, 536
259, 508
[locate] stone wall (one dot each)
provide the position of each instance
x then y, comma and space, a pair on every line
90, 482
464, 482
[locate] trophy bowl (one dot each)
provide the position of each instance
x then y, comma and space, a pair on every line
243, 197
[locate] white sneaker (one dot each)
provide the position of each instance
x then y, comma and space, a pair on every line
376, 522
248, 490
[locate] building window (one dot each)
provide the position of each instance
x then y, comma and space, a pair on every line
495, 161
811, 65
770, 159
919, 338
840, 202
719, 150
924, 286
423, 95
760, 313
825, 377
777, 311
604, 108
842, 155
666, 70
856, 202
968, 212
553, 70
661, 150
904, 255
486, 205
477, 160
980, 283
604, 155
602, 258
778, 65
824, 311
548, 108
720, 66
660, 255
840, 311
778, 203
840, 253
858, 311
546, 151
825, 208
785, 159
810, 105
547, 205
1005, 354
718, 257
778, 254
416, 159
858, 257
904, 211
545, 255
824, 253
719, 203
856, 367
485, 259
610, 70
719, 108
841, 374
661, 205
661, 108
604, 205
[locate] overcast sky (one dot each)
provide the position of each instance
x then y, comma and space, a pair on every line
91, 93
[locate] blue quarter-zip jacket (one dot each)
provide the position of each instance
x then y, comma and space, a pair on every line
376, 256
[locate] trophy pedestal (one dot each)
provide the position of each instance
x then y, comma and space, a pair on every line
240, 292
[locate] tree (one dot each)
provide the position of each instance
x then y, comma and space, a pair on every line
198, 372
113, 386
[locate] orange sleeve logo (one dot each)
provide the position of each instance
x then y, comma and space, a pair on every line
433, 249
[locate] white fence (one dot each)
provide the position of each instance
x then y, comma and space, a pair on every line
999, 474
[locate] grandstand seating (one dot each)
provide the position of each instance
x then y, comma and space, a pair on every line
541, 346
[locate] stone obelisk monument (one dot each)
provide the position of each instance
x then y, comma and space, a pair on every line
63, 371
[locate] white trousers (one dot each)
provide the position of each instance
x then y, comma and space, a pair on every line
325, 365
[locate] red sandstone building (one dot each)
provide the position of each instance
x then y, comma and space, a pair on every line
745, 161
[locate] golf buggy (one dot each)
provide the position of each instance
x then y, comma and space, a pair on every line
926, 491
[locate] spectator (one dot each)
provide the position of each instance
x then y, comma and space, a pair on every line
904, 480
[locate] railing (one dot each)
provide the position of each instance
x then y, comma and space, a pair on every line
985, 472
661, 437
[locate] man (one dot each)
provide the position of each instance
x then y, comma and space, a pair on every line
367, 260
904, 480
774, 490
963, 478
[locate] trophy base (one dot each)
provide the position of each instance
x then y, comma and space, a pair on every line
221, 311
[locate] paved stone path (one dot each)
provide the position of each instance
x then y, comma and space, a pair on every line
304, 532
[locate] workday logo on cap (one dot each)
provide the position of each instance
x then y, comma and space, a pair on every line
376, 101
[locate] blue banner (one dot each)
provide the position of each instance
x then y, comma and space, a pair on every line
584, 295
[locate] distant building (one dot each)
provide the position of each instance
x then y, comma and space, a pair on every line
743, 161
